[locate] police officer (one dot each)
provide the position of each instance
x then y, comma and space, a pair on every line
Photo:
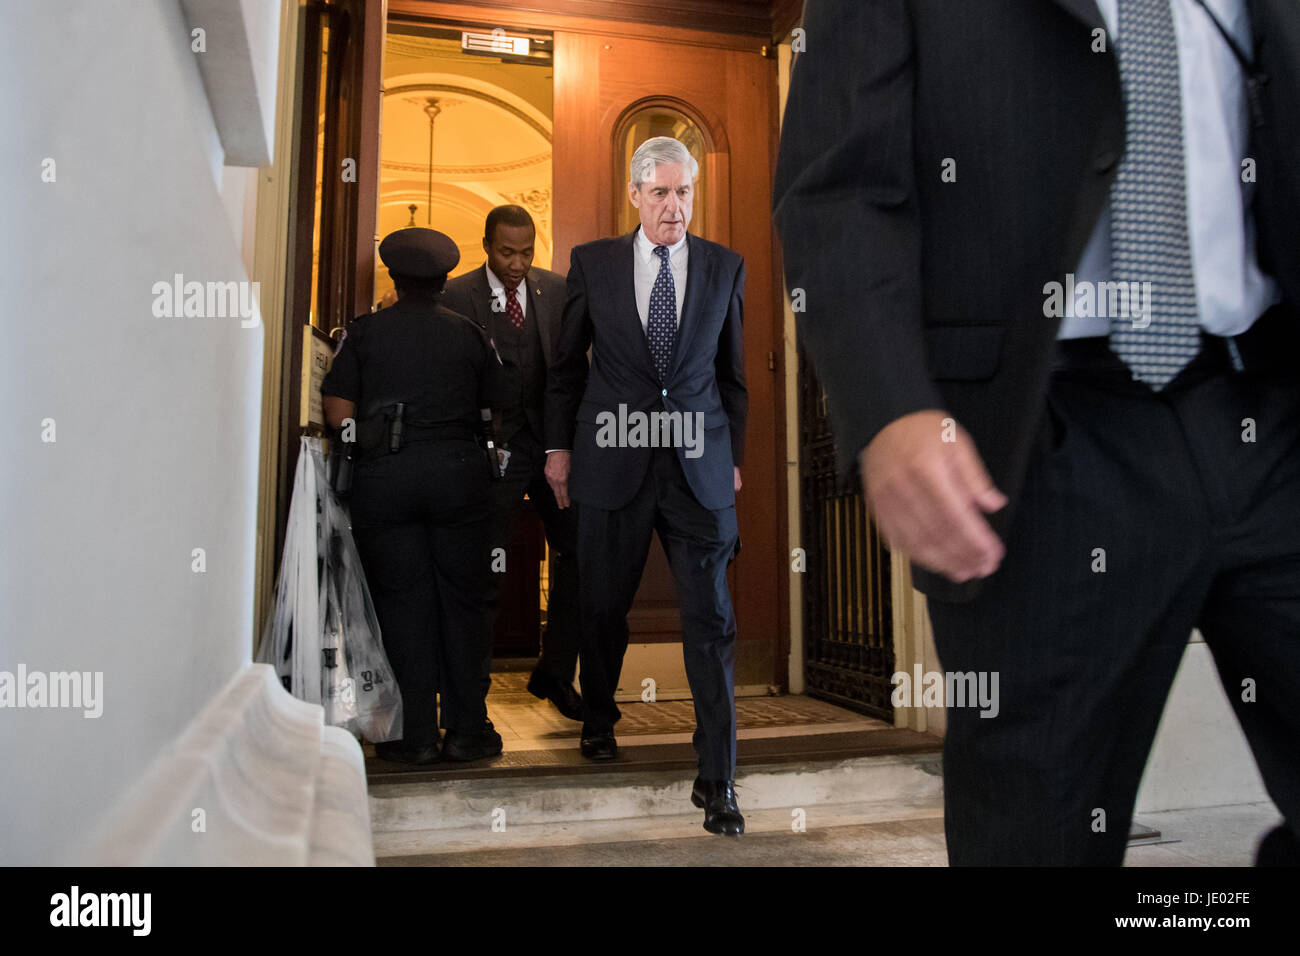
414, 377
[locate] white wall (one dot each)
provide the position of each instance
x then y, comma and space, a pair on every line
239, 194
157, 419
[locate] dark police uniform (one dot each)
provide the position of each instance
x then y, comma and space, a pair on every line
420, 516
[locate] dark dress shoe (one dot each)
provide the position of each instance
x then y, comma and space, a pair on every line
465, 747
718, 800
559, 692
395, 751
1278, 848
599, 747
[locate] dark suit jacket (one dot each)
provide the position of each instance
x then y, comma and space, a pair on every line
922, 294
707, 372
471, 296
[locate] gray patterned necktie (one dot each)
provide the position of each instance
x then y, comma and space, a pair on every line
1148, 201
661, 322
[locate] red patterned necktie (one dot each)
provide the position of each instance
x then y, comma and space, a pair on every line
514, 310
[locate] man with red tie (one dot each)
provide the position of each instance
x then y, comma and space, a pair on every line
520, 305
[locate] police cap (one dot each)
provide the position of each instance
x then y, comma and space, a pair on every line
419, 253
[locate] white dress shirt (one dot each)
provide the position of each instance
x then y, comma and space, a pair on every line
499, 290
1231, 291
646, 270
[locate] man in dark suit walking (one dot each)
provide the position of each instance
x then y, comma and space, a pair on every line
650, 439
520, 305
1051, 269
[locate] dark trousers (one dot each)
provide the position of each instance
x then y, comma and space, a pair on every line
1197, 528
525, 474
612, 551
420, 519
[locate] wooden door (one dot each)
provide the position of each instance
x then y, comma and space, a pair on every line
612, 61
726, 89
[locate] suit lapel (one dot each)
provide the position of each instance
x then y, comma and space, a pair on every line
481, 297
540, 309
699, 271
1084, 10
624, 268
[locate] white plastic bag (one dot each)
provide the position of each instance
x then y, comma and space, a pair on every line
323, 638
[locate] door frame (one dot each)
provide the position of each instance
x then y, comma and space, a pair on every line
770, 570
345, 282
579, 204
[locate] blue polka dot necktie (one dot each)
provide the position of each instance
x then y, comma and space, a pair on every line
661, 323
1149, 242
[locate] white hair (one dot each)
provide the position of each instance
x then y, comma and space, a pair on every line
656, 150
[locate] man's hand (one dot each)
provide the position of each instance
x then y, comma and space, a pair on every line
737, 478
557, 476
929, 496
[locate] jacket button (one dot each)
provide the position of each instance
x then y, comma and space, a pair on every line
664, 393
1106, 161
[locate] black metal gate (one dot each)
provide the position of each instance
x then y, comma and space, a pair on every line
847, 607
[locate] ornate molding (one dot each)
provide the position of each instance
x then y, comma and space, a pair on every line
472, 94
488, 169
534, 200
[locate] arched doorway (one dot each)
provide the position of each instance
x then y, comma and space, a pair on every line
454, 146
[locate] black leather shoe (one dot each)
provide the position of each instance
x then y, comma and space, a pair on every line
600, 747
718, 800
559, 692
1278, 848
465, 747
395, 751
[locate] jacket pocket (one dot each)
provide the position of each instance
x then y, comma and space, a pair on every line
965, 353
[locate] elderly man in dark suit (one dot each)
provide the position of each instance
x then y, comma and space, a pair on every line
520, 305
1078, 483
655, 432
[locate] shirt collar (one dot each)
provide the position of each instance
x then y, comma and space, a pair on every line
647, 248
495, 283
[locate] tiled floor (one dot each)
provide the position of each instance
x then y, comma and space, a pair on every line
536, 737
526, 723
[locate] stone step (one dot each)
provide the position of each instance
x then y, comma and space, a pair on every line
450, 816
458, 847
